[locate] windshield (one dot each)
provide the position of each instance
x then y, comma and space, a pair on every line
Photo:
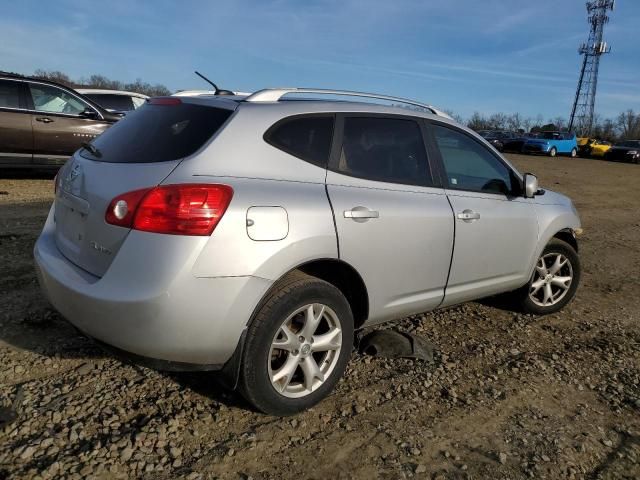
630, 143
158, 133
549, 135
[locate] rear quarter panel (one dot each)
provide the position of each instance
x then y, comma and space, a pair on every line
230, 252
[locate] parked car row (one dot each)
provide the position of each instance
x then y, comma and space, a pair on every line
554, 143
550, 143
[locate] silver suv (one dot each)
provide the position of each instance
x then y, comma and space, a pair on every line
254, 234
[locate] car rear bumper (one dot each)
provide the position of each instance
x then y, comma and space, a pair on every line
172, 316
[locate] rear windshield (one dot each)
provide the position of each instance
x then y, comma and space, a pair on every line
120, 103
158, 133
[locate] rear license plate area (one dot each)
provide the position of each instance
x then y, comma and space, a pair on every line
71, 216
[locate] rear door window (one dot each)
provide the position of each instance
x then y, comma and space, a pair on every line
158, 133
384, 149
308, 138
9, 94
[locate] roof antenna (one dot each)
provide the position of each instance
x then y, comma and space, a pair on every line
217, 91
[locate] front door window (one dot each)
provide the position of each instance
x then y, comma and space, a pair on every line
47, 98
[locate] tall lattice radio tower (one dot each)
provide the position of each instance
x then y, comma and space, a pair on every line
584, 103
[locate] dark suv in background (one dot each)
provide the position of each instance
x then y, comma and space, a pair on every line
503, 140
42, 123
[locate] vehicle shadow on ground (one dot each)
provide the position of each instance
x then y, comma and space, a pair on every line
211, 385
24, 174
41, 330
502, 302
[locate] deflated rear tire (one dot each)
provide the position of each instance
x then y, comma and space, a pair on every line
297, 346
554, 281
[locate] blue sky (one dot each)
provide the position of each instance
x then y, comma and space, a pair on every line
461, 55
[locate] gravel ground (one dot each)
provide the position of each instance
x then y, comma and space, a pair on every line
509, 396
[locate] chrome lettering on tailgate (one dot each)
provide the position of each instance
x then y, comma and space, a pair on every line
100, 248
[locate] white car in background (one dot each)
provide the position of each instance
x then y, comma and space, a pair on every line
118, 101
200, 93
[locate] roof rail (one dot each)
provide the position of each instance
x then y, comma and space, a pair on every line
275, 94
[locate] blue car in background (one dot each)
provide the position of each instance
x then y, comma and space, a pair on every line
552, 144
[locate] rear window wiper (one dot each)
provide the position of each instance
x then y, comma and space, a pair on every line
92, 149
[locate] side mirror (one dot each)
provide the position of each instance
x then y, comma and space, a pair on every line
530, 185
89, 113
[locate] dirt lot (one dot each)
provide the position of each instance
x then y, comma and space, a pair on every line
510, 396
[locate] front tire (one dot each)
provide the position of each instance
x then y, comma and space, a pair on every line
574, 153
553, 152
554, 281
297, 346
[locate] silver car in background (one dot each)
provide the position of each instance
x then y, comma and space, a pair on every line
116, 101
254, 234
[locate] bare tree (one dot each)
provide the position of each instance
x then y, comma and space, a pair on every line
479, 122
559, 122
100, 81
455, 116
629, 125
514, 121
54, 76
498, 121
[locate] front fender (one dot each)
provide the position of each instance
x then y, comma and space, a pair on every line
551, 221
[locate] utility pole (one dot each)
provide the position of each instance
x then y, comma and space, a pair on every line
582, 113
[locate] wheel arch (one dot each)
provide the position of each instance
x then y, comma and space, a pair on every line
332, 270
567, 235
346, 279
555, 226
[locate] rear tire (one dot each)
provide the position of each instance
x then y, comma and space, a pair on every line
552, 285
553, 152
297, 346
574, 153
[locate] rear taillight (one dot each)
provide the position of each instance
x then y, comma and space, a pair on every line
190, 209
122, 209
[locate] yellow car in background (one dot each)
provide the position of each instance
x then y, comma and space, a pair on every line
584, 146
599, 148
590, 147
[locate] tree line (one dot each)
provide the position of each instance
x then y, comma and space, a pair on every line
625, 126
100, 81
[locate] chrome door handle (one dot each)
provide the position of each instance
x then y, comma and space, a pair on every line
468, 215
361, 212
44, 119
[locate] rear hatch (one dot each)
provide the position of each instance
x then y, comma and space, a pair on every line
138, 152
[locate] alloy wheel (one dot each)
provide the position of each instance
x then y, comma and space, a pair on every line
552, 280
305, 350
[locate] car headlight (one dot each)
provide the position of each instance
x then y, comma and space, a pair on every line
632, 152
